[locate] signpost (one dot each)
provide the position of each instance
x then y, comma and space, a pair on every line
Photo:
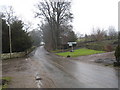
71, 45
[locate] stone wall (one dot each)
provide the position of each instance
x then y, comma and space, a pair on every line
13, 55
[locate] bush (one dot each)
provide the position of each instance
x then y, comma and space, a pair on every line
108, 48
117, 53
95, 47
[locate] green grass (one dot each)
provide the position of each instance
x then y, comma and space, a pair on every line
55, 51
60, 50
80, 52
2, 87
7, 78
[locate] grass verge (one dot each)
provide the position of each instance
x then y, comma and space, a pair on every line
7, 79
80, 52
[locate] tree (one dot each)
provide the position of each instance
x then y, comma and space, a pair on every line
9, 15
36, 37
72, 37
27, 26
67, 34
117, 51
86, 37
55, 14
19, 37
47, 36
2, 15
79, 35
98, 35
5, 37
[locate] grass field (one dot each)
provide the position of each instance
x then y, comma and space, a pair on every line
80, 52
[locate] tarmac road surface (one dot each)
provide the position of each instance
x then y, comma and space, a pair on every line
66, 73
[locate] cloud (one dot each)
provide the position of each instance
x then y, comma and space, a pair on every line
87, 13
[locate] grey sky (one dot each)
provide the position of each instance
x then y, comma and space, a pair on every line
87, 13
94, 13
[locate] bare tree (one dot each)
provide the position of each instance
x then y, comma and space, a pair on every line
47, 36
98, 34
54, 14
9, 14
79, 35
2, 15
36, 37
67, 34
27, 26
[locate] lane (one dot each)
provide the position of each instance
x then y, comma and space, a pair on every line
60, 78
75, 74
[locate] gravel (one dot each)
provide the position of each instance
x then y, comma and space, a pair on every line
105, 61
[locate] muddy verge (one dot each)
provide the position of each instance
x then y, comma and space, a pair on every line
20, 71
23, 72
101, 59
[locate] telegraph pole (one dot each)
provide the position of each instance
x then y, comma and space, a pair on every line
10, 41
10, 38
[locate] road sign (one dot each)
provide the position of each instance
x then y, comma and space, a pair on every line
71, 43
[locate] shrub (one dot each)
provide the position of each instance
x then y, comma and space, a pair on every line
95, 47
108, 48
117, 53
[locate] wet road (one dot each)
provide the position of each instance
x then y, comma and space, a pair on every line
75, 74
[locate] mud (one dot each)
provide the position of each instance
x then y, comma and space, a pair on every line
23, 72
100, 59
20, 71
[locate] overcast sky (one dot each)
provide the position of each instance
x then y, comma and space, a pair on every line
87, 13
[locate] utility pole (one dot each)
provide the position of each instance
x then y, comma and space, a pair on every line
10, 41
10, 38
